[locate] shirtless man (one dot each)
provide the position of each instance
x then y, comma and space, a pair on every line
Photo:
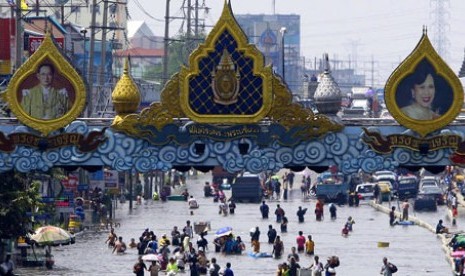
111, 238
120, 246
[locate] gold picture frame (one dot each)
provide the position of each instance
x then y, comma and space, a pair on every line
441, 96
51, 108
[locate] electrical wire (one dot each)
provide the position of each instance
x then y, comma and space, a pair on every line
141, 8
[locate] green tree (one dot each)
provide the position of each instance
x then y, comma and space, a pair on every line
178, 51
19, 194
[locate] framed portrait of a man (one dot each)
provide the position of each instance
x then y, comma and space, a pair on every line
46, 92
46, 95
423, 93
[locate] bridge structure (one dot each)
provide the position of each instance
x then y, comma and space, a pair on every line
227, 108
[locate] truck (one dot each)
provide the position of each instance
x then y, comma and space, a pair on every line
332, 187
407, 187
247, 188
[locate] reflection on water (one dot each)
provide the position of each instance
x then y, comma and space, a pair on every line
91, 256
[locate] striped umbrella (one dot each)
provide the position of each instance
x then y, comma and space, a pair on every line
52, 235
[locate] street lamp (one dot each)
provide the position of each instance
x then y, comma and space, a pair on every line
283, 31
83, 31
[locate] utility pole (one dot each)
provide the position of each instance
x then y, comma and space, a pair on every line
166, 42
90, 77
188, 31
192, 30
372, 71
19, 36
196, 22
101, 75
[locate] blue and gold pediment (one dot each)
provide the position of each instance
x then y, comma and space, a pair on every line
208, 79
226, 83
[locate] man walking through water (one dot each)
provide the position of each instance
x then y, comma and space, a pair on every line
392, 216
301, 213
405, 207
265, 210
279, 212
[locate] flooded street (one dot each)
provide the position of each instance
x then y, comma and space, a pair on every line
413, 249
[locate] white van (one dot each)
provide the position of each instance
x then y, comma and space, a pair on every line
365, 190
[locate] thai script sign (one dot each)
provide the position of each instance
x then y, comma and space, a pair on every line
87, 143
386, 144
34, 43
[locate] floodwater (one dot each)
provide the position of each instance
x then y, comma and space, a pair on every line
413, 249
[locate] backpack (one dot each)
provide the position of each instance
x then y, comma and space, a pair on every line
392, 268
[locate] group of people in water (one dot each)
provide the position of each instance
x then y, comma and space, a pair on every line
173, 254
179, 252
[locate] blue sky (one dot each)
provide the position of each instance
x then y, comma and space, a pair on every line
385, 31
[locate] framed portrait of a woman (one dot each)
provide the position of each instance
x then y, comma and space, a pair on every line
423, 93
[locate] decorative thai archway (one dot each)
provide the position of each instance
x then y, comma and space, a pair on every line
227, 108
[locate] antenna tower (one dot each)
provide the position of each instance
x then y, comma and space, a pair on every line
440, 16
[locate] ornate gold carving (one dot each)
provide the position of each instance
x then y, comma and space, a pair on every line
447, 95
65, 99
157, 114
277, 98
225, 81
290, 114
126, 96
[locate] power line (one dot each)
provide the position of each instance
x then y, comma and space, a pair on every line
141, 8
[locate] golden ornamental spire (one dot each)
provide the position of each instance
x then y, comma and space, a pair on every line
126, 96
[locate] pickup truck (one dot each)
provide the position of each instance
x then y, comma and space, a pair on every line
407, 187
332, 187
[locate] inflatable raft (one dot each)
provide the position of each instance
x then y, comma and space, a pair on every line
176, 197
406, 222
259, 255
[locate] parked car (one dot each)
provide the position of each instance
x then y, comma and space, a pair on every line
436, 192
429, 181
365, 190
425, 202
386, 176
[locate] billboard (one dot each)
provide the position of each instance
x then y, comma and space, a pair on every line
35, 41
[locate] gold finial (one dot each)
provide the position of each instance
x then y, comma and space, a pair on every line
125, 96
48, 29
126, 65
227, 8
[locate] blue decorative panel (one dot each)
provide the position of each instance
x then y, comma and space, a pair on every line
250, 98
